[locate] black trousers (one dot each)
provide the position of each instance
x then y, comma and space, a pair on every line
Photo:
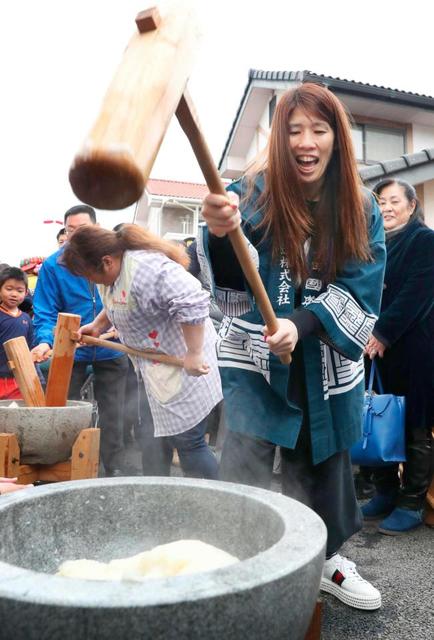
327, 488
109, 389
417, 475
409, 377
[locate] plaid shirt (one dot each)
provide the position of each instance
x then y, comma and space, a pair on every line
147, 303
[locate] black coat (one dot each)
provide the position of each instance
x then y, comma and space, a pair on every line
406, 322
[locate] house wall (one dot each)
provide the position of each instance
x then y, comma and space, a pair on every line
260, 138
423, 137
151, 210
262, 130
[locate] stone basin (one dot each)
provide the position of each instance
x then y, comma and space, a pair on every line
269, 595
45, 434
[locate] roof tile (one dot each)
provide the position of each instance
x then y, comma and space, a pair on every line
176, 189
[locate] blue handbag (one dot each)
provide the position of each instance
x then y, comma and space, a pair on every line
383, 440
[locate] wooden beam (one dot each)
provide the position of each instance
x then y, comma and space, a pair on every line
62, 360
59, 472
314, 631
22, 366
85, 455
27, 474
9, 455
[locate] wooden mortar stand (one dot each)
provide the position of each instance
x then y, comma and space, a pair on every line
314, 631
83, 463
85, 451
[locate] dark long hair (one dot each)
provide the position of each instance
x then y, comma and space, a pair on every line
88, 245
339, 227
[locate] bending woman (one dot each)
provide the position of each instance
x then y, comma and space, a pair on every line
154, 303
319, 244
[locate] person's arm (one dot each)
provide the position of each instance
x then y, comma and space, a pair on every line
193, 360
47, 304
222, 215
350, 305
9, 485
98, 326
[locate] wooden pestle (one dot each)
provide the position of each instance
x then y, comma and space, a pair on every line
22, 366
116, 346
62, 360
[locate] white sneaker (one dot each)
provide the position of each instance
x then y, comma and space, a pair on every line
341, 579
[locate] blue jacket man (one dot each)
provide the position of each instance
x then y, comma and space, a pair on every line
59, 291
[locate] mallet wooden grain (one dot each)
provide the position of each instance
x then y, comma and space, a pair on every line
22, 366
116, 346
62, 360
111, 169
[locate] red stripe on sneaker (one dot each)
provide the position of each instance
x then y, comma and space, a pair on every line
338, 577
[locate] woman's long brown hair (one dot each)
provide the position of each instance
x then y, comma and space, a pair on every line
88, 245
339, 227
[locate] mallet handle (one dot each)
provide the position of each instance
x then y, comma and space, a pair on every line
189, 123
116, 346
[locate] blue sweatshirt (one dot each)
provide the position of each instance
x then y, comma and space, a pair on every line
59, 291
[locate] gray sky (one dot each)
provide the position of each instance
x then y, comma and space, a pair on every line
57, 59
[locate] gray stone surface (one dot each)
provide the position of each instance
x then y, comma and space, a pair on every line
45, 434
269, 594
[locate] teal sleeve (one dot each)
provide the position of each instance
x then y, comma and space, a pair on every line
349, 307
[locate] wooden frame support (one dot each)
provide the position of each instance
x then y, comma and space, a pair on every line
429, 504
84, 462
314, 631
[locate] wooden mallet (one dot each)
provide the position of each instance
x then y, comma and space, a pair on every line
113, 166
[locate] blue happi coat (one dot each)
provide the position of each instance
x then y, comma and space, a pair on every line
255, 382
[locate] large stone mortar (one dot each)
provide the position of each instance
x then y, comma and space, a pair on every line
269, 595
45, 434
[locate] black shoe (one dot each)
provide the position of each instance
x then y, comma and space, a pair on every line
364, 488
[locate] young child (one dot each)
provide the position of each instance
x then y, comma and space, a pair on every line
13, 323
154, 303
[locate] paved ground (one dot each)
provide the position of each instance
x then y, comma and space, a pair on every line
402, 568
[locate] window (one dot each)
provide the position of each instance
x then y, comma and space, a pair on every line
176, 220
375, 144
